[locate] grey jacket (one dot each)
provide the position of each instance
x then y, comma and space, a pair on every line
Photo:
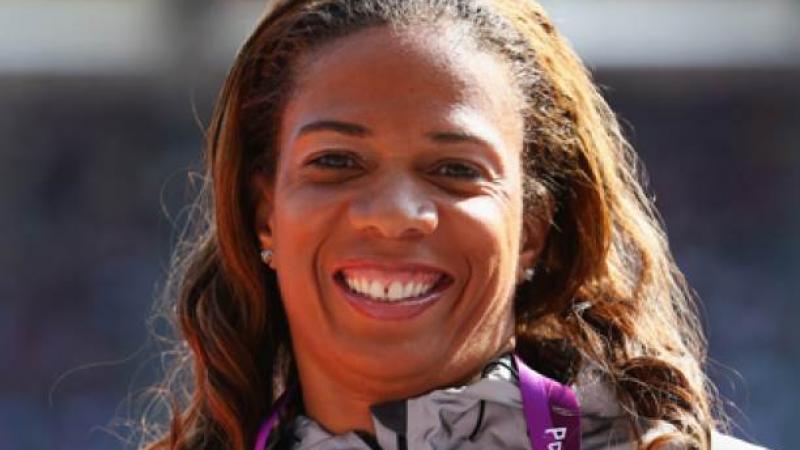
486, 414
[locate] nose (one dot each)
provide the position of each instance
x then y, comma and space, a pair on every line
395, 207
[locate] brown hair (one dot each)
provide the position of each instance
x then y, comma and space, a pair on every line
607, 291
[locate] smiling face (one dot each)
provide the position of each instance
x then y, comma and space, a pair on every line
395, 214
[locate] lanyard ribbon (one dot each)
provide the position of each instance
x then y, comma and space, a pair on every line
551, 412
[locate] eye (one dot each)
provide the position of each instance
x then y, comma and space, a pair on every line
334, 161
458, 170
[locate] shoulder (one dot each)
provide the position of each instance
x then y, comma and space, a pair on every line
604, 426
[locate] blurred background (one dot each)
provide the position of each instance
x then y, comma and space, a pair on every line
102, 104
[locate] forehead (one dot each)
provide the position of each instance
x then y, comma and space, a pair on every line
438, 73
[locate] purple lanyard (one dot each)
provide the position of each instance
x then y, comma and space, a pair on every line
551, 413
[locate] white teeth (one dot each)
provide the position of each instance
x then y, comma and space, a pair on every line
396, 290
408, 288
376, 290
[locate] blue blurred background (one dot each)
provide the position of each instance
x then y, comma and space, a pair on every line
99, 109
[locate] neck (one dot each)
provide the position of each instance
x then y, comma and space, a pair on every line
338, 411
340, 400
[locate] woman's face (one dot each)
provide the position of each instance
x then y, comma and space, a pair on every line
395, 214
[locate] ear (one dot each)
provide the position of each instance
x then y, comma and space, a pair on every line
262, 195
535, 230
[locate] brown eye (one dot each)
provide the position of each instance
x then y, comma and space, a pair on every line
458, 170
334, 161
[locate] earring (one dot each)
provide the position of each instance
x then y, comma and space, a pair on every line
266, 256
529, 273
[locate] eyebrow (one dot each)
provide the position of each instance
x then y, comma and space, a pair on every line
356, 130
457, 137
350, 129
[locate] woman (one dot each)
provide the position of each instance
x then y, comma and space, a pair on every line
409, 203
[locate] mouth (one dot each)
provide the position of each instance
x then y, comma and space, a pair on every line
392, 293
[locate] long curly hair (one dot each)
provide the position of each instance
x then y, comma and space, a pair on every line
607, 291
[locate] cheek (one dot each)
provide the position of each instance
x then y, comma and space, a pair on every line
303, 213
489, 233
303, 219
299, 213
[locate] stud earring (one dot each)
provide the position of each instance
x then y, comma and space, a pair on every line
266, 256
529, 273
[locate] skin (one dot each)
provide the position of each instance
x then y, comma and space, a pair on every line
407, 188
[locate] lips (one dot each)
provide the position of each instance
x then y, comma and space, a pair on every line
391, 291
